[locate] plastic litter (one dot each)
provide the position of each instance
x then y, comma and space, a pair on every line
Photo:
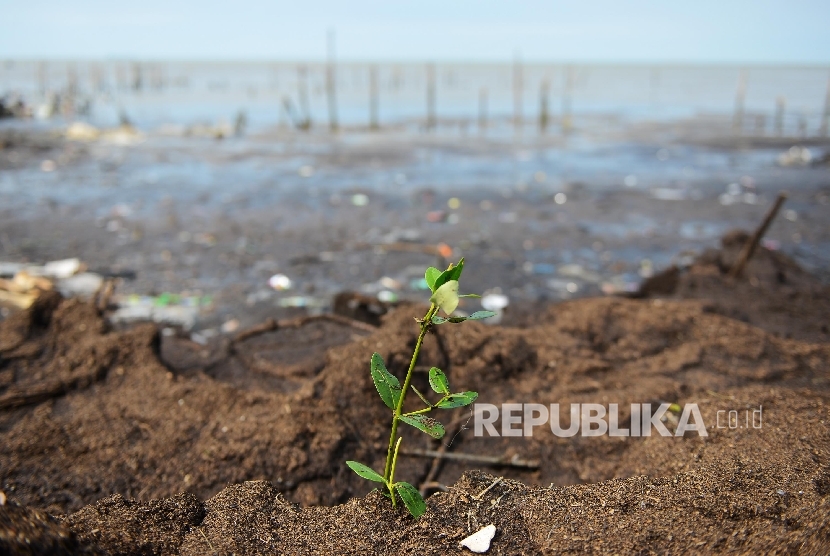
280, 282
85, 284
495, 302
387, 296
479, 542
360, 200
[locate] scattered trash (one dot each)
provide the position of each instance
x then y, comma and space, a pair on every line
167, 308
389, 283
578, 271
85, 284
623, 283
795, 156
230, 326
495, 302
280, 282
668, 194
539, 268
418, 284
301, 302
437, 216
479, 542
82, 131
360, 199
387, 296
771, 244
56, 269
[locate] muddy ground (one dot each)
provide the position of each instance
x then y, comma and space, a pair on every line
127, 441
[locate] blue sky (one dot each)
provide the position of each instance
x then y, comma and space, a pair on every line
703, 31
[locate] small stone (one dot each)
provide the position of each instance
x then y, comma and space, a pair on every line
479, 542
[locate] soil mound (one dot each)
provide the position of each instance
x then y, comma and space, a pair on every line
144, 444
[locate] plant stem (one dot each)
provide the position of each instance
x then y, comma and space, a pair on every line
425, 324
391, 483
420, 411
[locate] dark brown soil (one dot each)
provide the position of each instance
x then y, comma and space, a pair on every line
143, 444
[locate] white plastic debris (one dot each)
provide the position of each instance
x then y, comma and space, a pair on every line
495, 301
280, 282
85, 284
58, 269
479, 542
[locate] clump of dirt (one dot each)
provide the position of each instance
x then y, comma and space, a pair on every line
140, 443
772, 293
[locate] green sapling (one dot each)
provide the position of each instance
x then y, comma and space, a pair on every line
444, 288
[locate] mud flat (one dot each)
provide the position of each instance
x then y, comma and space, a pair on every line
125, 441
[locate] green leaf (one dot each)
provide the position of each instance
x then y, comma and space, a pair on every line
438, 381
452, 273
386, 383
475, 295
446, 296
478, 315
365, 472
439, 320
424, 424
430, 276
455, 272
457, 400
411, 498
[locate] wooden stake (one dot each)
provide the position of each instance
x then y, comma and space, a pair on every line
825, 116
431, 93
482, 109
374, 101
566, 100
302, 93
331, 83
543, 106
740, 96
749, 246
518, 92
780, 105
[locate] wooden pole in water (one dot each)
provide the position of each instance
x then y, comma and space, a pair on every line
41, 76
566, 100
518, 90
543, 106
136, 76
431, 93
780, 106
740, 96
374, 101
331, 83
825, 116
482, 109
302, 93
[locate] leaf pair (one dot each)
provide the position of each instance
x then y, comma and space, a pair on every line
435, 278
439, 383
412, 499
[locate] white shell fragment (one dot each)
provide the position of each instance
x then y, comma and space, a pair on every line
479, 542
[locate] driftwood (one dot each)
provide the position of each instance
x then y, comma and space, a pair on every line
752, 244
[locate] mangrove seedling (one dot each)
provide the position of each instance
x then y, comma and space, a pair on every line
444, 288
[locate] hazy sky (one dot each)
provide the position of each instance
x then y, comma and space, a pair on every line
756, 31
